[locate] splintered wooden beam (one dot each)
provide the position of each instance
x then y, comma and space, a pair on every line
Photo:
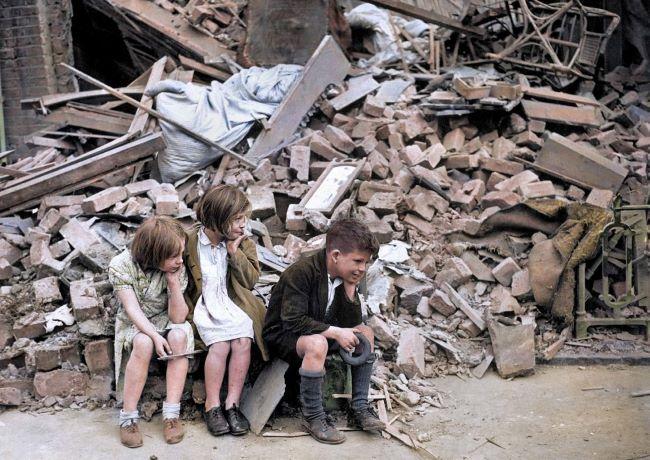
428, 16
328, 65
67, 174
159, 116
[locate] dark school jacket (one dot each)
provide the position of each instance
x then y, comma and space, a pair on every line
299, 300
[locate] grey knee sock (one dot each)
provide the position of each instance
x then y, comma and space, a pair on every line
311, 394
361, 383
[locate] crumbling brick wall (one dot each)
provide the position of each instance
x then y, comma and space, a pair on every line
35, 36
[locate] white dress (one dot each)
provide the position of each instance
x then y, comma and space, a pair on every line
217, 318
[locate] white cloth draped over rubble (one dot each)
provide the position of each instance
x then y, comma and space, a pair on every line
223, 113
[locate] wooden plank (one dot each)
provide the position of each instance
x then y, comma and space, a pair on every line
328, 65
427, 16
579, 162
358, 88
204, 69
49, 142
141, 117
173, 27
462, 304
95, 121
259, 403
12, 172
95, 96
104, 148
71, 174
586, 116
547, 93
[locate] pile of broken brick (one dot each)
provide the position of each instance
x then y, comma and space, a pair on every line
438, 305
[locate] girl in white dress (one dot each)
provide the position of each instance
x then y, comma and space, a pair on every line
223, 326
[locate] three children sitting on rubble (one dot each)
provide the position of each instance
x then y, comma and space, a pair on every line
314, 306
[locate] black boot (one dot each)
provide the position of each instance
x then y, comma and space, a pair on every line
311, 400
360, 414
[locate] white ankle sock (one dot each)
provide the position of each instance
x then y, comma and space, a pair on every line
170, 410
128, 418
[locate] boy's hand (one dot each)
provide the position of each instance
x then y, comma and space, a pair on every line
161, 345
346, 339
233, 245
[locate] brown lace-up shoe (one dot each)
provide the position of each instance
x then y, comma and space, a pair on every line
130, 435
366, 419
323, 431
173, 430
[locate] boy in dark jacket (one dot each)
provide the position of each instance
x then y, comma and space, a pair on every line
314, 305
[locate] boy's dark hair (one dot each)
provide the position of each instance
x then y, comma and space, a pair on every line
219, 206
156, 240
349, 235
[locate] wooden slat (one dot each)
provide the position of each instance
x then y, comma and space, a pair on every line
587, 116
93, 96
204, 69
427, 16
71, 174
327, 65
141, 117
547, 93
95, 121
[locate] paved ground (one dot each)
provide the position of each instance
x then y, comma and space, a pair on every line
545, 416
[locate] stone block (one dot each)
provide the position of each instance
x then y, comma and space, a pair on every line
521, 284
141, 187
454, 140
509, 168
78, 235
455, 272
513, 183
513, 348
262, 202
299, 161
504, 271
10, 397
339, 139
537, 189
441, 303
61, 383
84, 300
601, 198
575, 193
104, 199
30, 326
502, 301
52, 221
383, 335
410, 353
9, 252
46, 290
480, 271
410, 297
502, 200
295, 219
385, 203
321, 147
99, 356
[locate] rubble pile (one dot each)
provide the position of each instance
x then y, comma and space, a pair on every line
455, 172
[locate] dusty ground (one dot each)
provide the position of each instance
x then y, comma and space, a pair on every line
547, 416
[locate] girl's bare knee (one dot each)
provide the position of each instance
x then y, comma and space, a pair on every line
177, 339
142, 346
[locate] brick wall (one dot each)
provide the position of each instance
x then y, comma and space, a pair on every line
35, 36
